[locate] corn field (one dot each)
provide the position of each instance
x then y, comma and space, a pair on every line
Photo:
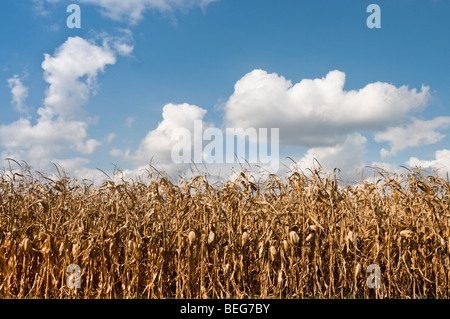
301, 236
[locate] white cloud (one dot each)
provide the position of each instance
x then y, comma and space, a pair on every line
122, 43
389, 170
389, 167
123, 48
415, 133
32, 142
133, 10
318, 112
71, 73
76, 167
110, 138
441, 162
116, 152
88, 147
71, 165
158, 143
19, 93
347, 156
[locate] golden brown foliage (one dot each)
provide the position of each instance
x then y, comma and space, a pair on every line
298, 237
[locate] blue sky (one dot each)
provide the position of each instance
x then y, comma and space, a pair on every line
196, 51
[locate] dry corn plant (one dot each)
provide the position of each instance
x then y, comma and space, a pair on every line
304, 236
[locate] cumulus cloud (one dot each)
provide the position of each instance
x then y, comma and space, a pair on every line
26, 141
133, 10
347, 156
71, 73
415, 133
441, 162
159, 142
19, 93
318, 112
